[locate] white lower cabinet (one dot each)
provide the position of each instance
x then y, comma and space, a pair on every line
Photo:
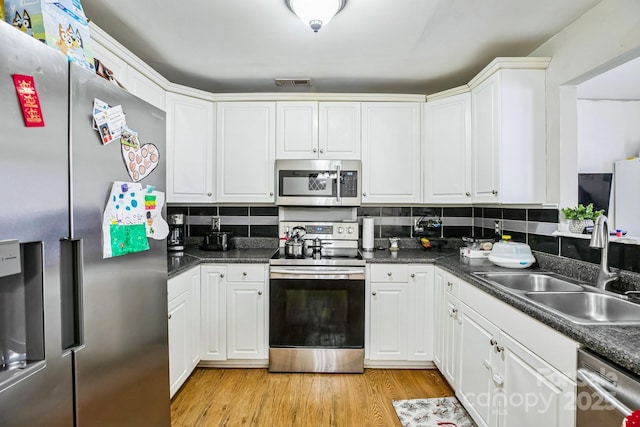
401, 314
506, 368
234, 312
213, 312
183, 294
246, 312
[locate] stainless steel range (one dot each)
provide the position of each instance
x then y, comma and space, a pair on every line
317, 303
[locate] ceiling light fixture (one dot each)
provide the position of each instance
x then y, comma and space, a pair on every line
316, 13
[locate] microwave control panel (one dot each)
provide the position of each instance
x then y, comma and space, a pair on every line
349, 184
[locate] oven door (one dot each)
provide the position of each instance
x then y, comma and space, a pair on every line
316, 319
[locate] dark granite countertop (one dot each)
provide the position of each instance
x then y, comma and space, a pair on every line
619, 344
407, 255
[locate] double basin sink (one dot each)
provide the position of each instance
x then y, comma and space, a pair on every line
571, 299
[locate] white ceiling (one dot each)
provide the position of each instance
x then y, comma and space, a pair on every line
377, 46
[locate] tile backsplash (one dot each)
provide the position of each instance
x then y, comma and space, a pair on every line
528, 225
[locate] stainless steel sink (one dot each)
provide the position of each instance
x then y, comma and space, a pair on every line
575, 301
531, 282
589, 307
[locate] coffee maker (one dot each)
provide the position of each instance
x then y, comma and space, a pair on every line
175, 241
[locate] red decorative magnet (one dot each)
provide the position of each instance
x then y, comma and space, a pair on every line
28, 96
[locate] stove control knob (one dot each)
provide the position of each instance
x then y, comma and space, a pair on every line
350, 230
340, 230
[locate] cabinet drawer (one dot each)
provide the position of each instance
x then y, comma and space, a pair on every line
389, 273
245, 273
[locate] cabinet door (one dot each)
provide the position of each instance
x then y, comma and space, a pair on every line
534, 393
297, 130
183, 293
145, 88
179, 364
446, 161
391, 152
479, 362
339, 130
388, 339
451, 340
439, 314
485, 101
421, 314
213, 313
246, 321
189, 149
245, 152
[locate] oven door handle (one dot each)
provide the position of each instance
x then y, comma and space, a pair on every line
282, 273
588, 379
338, 198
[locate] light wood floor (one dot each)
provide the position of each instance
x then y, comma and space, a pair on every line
254, 397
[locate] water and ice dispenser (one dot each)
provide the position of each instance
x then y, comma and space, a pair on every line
21, 306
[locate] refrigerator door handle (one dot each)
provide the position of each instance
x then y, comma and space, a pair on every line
71, 279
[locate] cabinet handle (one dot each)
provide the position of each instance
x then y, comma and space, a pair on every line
221, 275
169, 317
389, 274
486, 364
498, 379
494, 192
450, 285
467, 194
259, 292
364, 194
453, 313
413, 275
373, 293
499, 349
244, 273
315, 150
493, 342
209, 193
271, 193
321, 151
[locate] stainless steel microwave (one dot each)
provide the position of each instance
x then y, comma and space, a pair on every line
318, 182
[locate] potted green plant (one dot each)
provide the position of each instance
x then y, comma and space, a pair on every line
581, 216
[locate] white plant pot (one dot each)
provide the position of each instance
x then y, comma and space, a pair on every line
578, 226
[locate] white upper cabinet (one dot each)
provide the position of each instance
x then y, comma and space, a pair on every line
144, 88
190, 149
508, 129
391, 152
317, 130
339, 130
297, 130
446, 160
246, 135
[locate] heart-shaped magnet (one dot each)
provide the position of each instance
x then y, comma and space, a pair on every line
140, 161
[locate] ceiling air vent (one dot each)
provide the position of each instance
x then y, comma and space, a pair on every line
293, 82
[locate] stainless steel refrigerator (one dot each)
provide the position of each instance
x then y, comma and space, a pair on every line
83, 340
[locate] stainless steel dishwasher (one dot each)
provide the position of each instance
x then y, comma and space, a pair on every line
606, 394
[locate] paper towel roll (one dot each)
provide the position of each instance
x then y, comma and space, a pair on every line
367, 234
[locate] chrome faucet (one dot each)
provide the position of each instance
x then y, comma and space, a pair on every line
600, 239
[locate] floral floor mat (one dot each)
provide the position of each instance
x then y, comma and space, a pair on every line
435, 412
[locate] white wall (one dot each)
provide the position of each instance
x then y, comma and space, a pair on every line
608, 131
604, 37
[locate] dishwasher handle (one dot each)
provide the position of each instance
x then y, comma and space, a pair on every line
589, 380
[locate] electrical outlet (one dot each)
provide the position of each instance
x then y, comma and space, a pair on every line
497, 227
215, 223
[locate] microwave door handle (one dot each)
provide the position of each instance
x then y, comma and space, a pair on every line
338, 183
